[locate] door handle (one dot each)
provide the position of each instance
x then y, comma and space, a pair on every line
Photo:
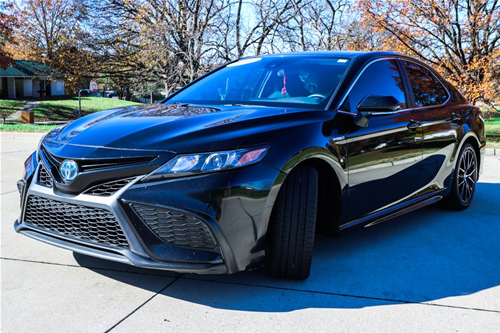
413, 125
454, 117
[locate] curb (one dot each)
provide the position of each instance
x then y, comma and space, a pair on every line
492, 152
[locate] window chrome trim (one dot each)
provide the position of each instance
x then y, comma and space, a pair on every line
332, 97
356, 80
411, 89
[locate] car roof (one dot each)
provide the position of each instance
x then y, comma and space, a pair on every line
350, 54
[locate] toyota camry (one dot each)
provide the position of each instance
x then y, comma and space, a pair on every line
245, 165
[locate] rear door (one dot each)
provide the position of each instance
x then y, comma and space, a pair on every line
383, 158
440, 125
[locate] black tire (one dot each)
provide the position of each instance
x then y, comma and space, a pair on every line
290, 236
464, 179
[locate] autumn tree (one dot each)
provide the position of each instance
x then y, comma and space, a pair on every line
54, 33
459, 37
175, 41
7, 24
318, 25
168, 40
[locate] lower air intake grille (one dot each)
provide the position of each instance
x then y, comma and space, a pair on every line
176, 227
44, 177
110, 188
86, 223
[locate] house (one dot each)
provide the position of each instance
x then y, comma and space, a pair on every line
30, 79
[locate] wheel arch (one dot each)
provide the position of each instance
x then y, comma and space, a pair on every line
472, 138
330, 197
332, 186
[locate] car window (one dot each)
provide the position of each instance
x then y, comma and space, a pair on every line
272, 81
380, 78
443, 93
423, 86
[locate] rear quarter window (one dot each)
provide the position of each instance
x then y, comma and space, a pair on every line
423, 85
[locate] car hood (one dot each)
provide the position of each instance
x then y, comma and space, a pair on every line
172, 127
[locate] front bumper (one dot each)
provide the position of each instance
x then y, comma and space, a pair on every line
235, 205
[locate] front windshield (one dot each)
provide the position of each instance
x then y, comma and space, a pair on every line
287, 81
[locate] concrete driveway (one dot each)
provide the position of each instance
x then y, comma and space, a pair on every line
432, 270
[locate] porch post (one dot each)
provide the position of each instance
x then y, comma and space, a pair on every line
11, 87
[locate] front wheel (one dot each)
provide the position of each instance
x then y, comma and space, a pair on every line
464, 179
290, 236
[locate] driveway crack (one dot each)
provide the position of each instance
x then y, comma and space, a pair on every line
144, 303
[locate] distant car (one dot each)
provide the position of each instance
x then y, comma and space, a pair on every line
243, 166
85, 92
112, 94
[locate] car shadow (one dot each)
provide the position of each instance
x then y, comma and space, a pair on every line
423, 256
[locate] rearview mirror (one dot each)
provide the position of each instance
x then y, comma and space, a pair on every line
378, 103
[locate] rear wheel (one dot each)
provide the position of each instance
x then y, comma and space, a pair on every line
464, 179
290, 237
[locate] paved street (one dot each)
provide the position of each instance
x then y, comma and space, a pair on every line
432, 270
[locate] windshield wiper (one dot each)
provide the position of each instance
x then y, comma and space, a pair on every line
237, 104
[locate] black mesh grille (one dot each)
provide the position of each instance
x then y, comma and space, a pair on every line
176, 227
87, 223
44, 177
109, 188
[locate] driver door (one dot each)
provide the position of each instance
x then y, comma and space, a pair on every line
383, 158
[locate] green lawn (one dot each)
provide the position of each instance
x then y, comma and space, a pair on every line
9, 106
26, 128
493, 126
62, 108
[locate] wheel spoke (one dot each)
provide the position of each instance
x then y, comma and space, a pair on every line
472, 167
462, 192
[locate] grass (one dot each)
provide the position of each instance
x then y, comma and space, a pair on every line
493, 144
492, 127
9, 106
57, 109
26, 128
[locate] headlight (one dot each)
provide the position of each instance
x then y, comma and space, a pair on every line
192, 164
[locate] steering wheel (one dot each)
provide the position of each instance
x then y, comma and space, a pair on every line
317, 95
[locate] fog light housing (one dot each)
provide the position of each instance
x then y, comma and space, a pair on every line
21, 186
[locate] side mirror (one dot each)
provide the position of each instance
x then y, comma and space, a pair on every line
378, 103
362, 119
372, 105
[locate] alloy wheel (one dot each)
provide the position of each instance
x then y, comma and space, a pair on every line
467, 175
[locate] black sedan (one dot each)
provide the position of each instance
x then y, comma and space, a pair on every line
243, 166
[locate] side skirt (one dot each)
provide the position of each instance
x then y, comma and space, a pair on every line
393, 212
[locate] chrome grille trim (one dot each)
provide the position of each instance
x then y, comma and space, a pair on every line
87, 223
51, 159
175, 227
97, 164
